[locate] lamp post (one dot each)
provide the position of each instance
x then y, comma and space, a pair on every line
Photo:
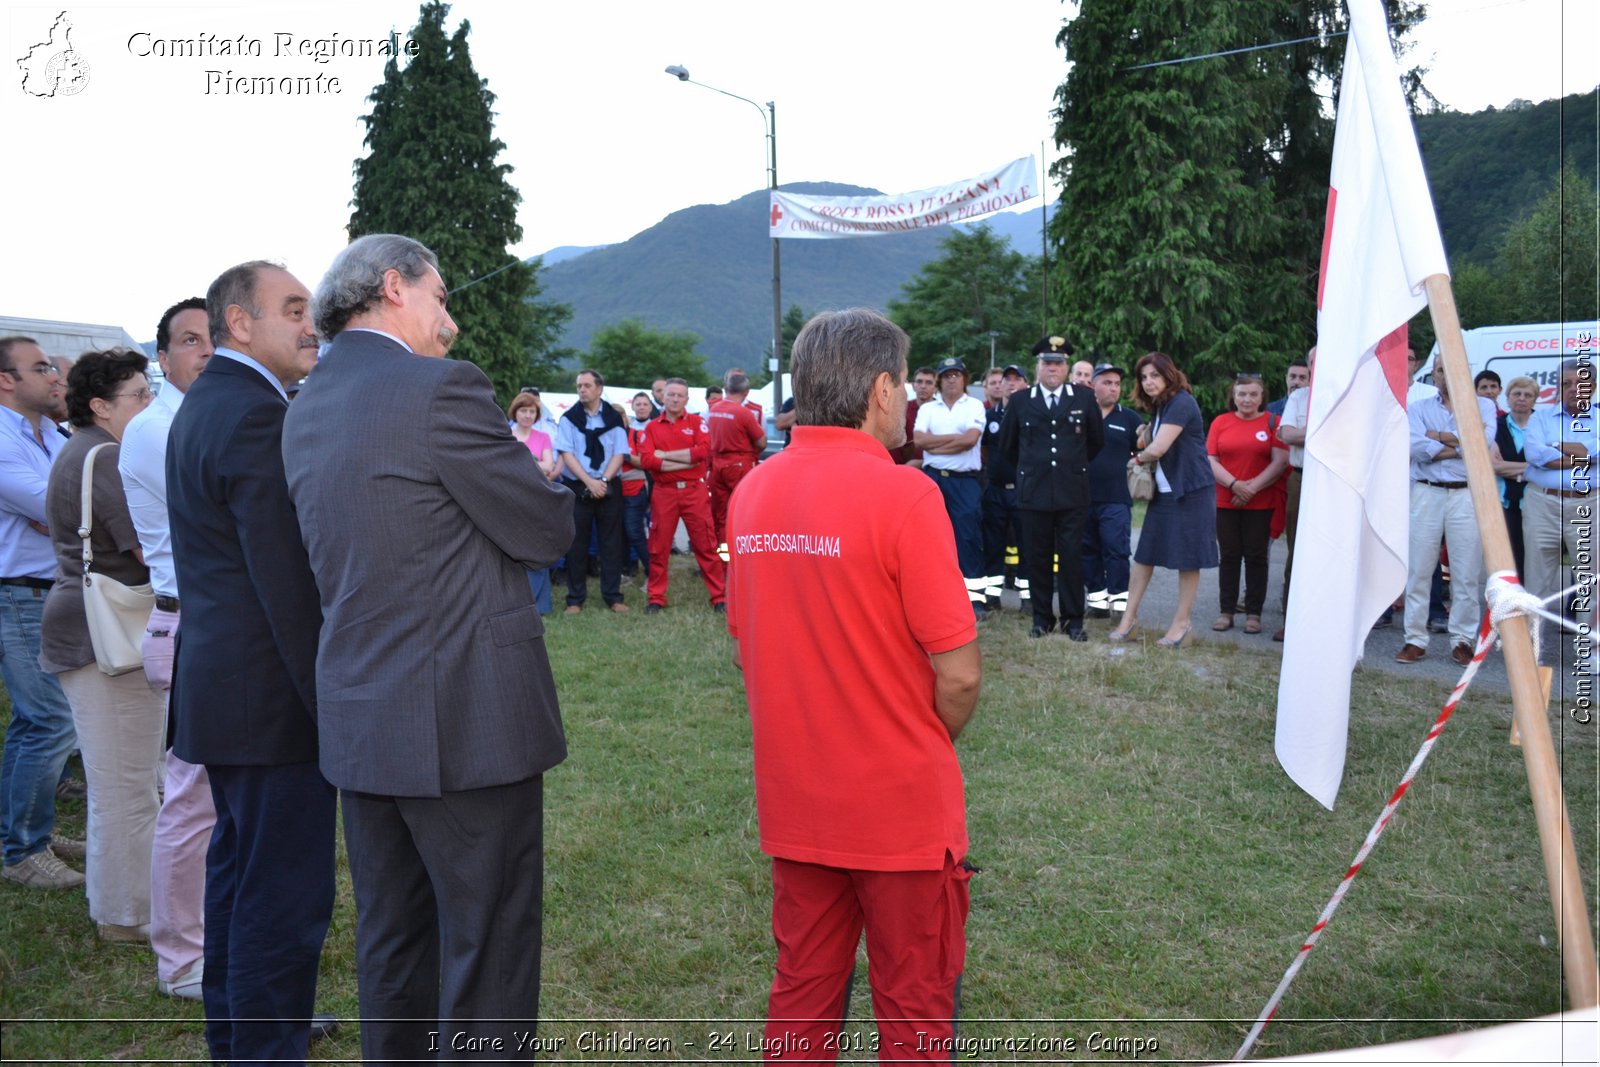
992, 335
769, 121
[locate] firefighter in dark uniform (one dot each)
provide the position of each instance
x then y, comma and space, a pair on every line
1051, 433
1001, 537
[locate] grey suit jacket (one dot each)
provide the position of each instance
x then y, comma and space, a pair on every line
421, 515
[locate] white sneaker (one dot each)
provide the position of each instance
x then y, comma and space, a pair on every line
185, 988
42, 870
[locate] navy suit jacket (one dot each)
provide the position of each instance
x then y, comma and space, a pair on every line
243, 689
422, 516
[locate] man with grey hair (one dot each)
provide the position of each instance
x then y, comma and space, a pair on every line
1560, 445
858, 788
434, 694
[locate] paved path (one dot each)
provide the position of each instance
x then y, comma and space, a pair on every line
1162, 597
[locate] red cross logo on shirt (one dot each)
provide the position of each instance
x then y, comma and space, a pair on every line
777, 213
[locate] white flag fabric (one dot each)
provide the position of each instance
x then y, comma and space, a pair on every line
797, 215
1351, 540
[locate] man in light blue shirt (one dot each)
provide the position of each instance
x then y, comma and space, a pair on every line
1441, 509
40, 736
187, 815
1560, 445
591, 442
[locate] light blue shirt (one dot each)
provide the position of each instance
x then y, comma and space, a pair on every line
570, 439
24, 473
142, 462
1548, 428
1429, 415
240, 357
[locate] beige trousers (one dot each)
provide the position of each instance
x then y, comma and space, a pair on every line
121, 725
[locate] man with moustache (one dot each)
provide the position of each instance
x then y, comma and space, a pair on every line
435, 700
243, 699
40, 735
1051, 434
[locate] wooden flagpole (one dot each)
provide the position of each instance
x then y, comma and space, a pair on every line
1531, 714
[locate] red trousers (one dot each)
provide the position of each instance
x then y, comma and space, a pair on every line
668, 504
724, 476
916, 925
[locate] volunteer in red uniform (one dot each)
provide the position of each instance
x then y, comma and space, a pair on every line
858, 789
674, 449
737, 442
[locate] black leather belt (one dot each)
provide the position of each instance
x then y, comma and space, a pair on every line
166, 603
29, 583
953, 474
1445, 485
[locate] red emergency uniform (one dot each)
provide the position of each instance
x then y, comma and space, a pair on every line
859, 796
678, 495
736, 443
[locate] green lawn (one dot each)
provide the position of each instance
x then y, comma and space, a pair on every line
1148, 871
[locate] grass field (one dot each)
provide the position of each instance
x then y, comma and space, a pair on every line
1147, 870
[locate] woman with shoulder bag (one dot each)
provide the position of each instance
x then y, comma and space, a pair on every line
120, 720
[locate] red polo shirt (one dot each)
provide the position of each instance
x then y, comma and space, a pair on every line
735, 433
837, 599
665, 435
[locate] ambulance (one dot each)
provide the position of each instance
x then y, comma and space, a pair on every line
1535, 350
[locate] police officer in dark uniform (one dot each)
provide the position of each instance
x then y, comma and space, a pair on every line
1051, 433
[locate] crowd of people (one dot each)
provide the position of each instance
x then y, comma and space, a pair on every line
346, 615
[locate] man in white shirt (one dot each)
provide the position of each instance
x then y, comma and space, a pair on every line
1441, 508
187, 816
949, 430
40, 736
1294, 414
1560, 445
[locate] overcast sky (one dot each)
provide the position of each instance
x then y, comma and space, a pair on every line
142, 187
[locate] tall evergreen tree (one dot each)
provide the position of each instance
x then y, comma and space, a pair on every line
431, 173
979, 284
1193, 193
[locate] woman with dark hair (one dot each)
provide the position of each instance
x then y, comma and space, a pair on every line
120, 720
1180, 525
1247, 459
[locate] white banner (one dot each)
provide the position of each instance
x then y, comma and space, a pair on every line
794, 215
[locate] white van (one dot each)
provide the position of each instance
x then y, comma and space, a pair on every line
1535, 350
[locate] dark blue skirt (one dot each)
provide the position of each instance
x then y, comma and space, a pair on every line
1180, 533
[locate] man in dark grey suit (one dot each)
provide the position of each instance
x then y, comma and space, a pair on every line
243, 690
422, 516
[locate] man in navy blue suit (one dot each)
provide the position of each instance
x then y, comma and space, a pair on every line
243, 693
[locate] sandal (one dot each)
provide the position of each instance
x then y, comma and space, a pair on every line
1225, 622
1252, 624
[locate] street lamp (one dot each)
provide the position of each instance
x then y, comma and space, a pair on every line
992, 335
769, 121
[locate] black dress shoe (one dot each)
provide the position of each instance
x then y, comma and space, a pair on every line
1039, 630
323, 1025
1099, 613
1075, 632
653, 609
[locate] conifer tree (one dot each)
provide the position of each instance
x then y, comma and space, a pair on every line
431, 173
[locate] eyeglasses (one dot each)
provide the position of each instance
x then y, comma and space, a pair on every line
143, 395
43, 370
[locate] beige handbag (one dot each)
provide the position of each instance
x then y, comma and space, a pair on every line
117, 613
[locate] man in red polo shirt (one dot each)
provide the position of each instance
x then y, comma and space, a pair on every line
737, 442
858, 789
674, 449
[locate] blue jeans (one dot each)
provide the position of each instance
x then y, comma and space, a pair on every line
539, 581
635, 514
40, 737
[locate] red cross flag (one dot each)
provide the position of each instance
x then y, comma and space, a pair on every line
1381, 241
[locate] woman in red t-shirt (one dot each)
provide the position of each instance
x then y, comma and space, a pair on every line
1247, 459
